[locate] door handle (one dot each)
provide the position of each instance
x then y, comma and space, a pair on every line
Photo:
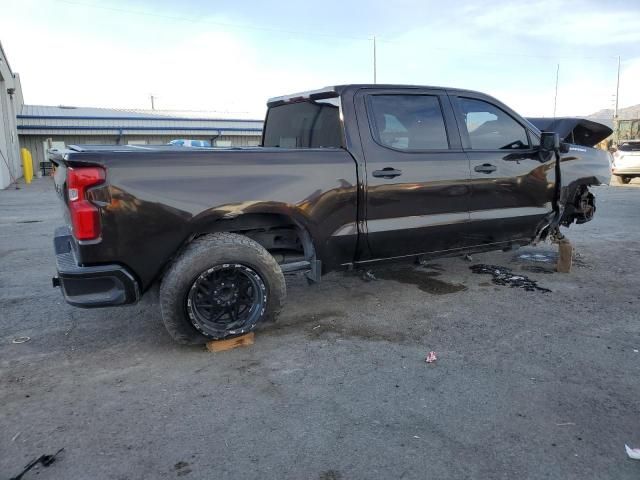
486, 168
387, 172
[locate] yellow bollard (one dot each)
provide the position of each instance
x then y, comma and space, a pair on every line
27, 165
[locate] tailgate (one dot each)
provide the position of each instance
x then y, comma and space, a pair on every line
60, 181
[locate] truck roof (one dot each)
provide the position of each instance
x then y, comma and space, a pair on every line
337, 90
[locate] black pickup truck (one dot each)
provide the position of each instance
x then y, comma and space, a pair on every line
345, 176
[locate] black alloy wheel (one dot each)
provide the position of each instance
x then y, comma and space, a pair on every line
226, 300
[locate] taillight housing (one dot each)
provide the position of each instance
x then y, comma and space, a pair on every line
85, 216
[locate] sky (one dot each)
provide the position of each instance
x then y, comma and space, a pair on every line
231, 56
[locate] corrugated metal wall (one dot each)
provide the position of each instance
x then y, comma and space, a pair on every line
35, 143
10, 105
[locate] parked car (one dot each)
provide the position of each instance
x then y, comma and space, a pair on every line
346, 176
185, 142
626, 160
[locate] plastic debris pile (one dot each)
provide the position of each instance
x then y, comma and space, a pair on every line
505, 276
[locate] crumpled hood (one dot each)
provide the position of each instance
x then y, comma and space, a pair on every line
578, 131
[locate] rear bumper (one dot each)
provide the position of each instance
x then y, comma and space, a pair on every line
94, 286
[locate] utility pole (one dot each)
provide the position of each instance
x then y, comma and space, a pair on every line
375, 73
615, 112
153, 107
555, 98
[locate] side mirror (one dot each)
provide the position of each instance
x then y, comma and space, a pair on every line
549, 142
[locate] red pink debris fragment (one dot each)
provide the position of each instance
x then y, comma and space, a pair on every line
431, 358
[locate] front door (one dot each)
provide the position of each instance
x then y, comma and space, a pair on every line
417, 175
512, 186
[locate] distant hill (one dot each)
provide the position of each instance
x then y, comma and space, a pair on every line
623, 113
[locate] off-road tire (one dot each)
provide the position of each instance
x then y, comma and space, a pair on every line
203, 253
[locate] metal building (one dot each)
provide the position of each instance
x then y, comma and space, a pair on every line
43, 127
10, 104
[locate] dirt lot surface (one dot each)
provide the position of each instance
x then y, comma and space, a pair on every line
528, 384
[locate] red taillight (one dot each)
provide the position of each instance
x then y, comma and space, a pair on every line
85, 216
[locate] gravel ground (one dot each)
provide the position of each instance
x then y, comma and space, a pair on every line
527, 384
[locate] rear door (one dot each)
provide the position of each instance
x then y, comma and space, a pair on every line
417, 175
512, 187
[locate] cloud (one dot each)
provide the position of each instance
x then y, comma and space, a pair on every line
118, 62
564, 23
86, 56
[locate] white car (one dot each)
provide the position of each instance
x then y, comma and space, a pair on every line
185, 142
626, 161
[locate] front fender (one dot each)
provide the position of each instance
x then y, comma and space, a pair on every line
584, 166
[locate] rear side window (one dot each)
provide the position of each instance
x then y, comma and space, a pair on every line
304, 125
408, 122
490, 128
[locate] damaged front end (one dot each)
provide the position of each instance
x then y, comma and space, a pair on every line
580, 209
578, 167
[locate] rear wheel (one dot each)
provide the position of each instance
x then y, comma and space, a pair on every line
624, 179
223, 284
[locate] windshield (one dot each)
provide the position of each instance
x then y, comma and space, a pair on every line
305, 124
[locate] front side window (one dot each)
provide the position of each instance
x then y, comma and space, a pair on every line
408, 122
490, 128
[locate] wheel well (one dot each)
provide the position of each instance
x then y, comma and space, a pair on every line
280, 235
579, 206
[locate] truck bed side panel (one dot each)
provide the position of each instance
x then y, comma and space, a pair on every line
160, 199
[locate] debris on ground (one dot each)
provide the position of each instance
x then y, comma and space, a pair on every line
431, 357
45, 460
368, 276
579, 260
21, 339
538, 269
504, 276
540, 257
633, 453
425, 262
467, 257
